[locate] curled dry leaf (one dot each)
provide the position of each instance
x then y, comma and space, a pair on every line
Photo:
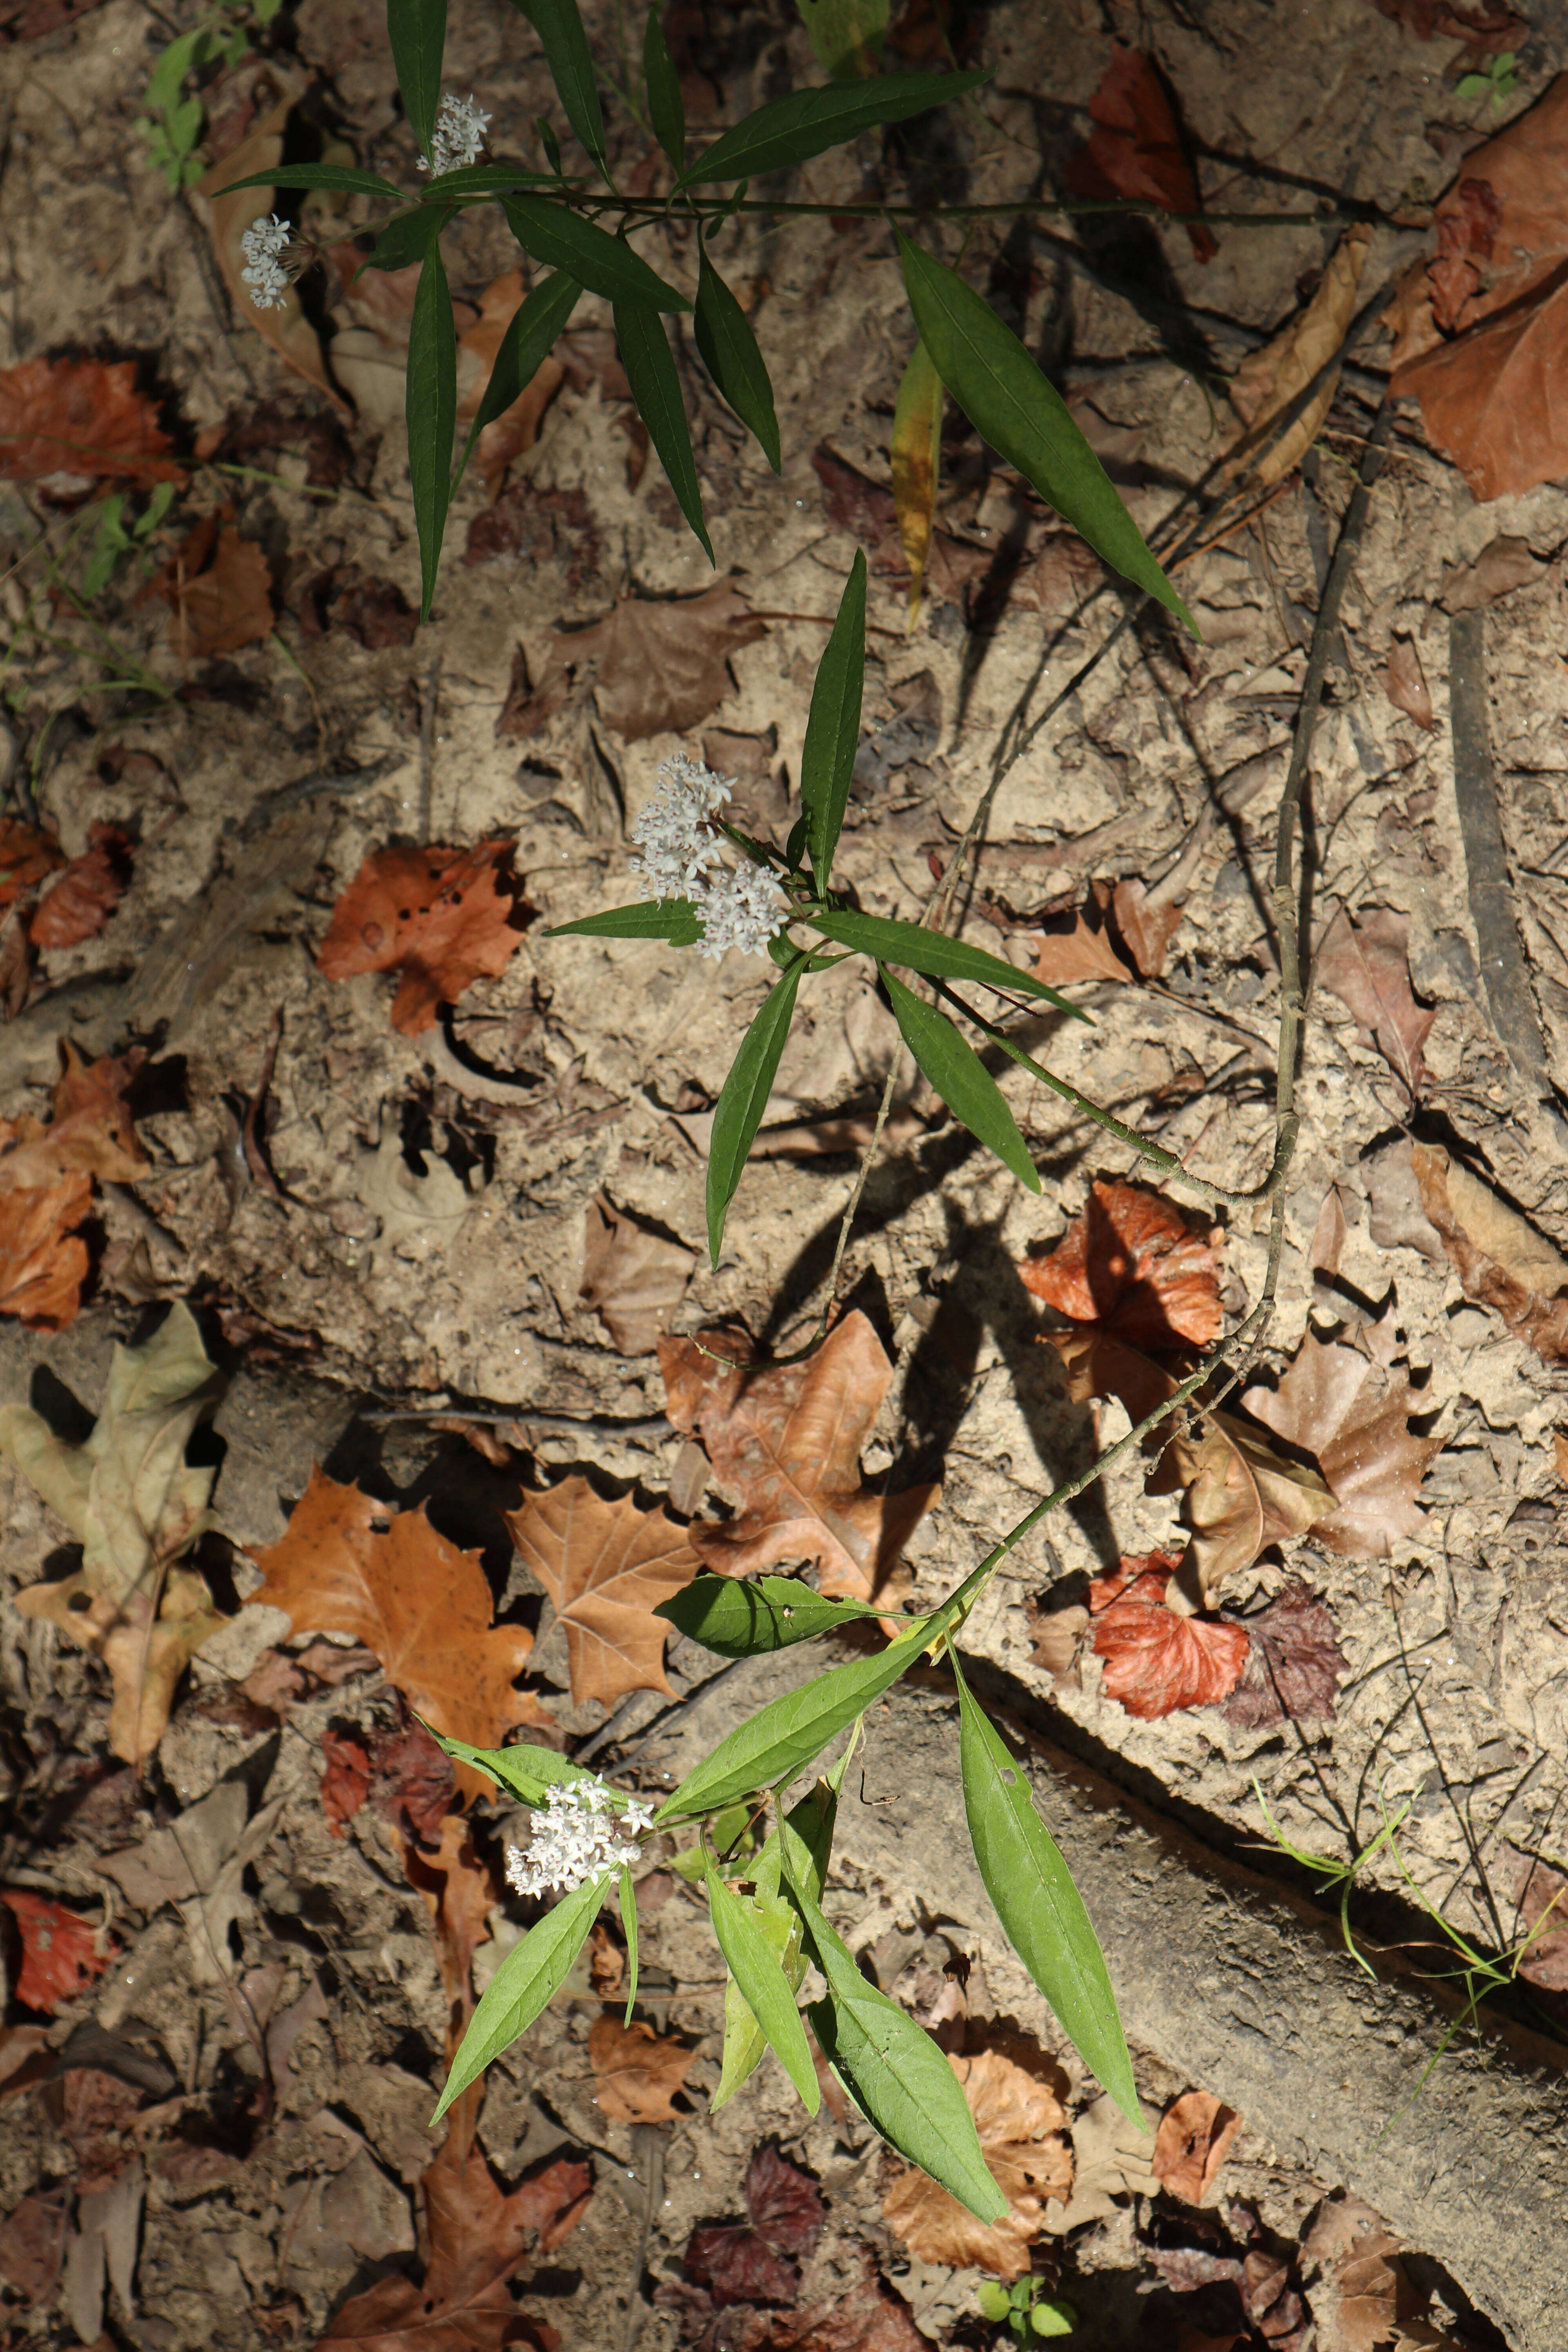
606, 1568
1135, 149
78, 906
1364, 2296
634, 1278
516, 429
1267, 381
348, 1564
1500, 1259
1022, 2127
441, 918
1136, 1265
1293, 1665
70, 422
785, 1445
750, 2261
1056, 1634
1191, 2145
218, 591
1405, 685
43, 1259
90, 1132
1503, 565
636, 2072
1365, 962
1353, 1415
658, 667
62, 1953
1156, 1660
28, 856
286, 327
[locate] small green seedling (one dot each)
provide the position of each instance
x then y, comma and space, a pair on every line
172, 125
1499, 78
115, 537
1029, 2314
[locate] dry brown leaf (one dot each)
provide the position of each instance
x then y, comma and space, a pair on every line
636, 2072
1190, 2147
1293, 1665
1353, 1416
1056, 1634
1085, 949
348, 1564
1158, 1661
1365, 962
1146, 928
1135, 149
1022, 2126
70, 422
870, 2317
459, 1890
43, 1259
1501, 1261
28, 856
633, 1279
1267, 381
1364, 2296
77, 905
784, 1446
1110, 2161
441, 918
1135, 1265
516, 429
660, 667
286, 327
1485, 29
605, 1567
88, 1134
1406, 684
218, 591
1503, 565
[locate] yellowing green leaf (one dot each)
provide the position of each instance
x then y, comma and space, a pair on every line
916, 454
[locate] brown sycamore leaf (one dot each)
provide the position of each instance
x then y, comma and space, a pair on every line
62, 1952
1405, 683
785, 1444
1157, 1661
70, 422
1267, 381
637, 2071
1363, 2296
606, 1566
659, 668
28, 856
1080, 943
1353, 1414
348, 1564
1191, 2144
1293, 1664
286, 327
43, 1259
88, 1134
1136, 148
78, 906
478, 2237
1365, 964
749, 2261
441, 918
1022, 2126
1500, 1259
633, 1277
218, 591
1136, 1265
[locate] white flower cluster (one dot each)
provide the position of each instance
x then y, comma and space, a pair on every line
682, 858
575, 1838
265, 242
459, 138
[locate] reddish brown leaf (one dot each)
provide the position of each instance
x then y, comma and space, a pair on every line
461, 1891
1134, 1263
374, 612
441, 918
33, 2245
1293, 1664
89, 1134
1145, 928
43, 1261
218, 591
1365, 964
1191, 2145
1486, 30
606, 1568
633, 1277
1079, 945
784, 1446
79, 904
28, 856
1405, 685
1267, 381
98, 2118
1156, 1661
1135, 149
345, 1783
346, 1564
748, 2262
869, 2318
636, 2072
72, 422
1353, 1415
1022, 2126
661, 668
1500, 1259
29, 20
478, 2238
1542, 1895
59, 1949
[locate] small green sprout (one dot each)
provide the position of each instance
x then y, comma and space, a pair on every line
1029, 2314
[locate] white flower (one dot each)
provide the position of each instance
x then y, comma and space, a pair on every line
458, 137
683, 858
264, 243
575, 1838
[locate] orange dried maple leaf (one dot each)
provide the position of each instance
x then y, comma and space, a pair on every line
60, 1953
218, 590
1156, 1661
637, 2071
348, 1564
1134, 1263
81, 419
785, 1443
478, 2238
46, 1184
441, 918
1191, 2144
43, 1259
1022, 2126
606, 1568
1135, 148
79, 904
28, 856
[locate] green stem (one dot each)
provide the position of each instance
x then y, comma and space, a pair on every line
1011, 208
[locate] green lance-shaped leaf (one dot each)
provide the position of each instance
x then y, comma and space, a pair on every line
738, 1112
665, 107
341, 177
931, 952
833, 726
559, 25
961, 1078
779, 1921
418, 32
606, 265
752, 1962
656, 388
808, 122
489, 180
747, 1617
431, 405
675, 920
526, 1983
1025, 418
530, 1772
730, 355
629, 1930
530, 331
405, 238
899, 2076
1037, 1902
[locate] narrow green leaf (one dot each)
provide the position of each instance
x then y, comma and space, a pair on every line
490, 179
900, 2077
406, 239
629, 1930
738, 1112
675, 920
1026, 419
931, 952
833, 726
778, 1920
755, 1965
1039, 1905
340, 176
606, 265
530, 1772
560, 28
961, 1078
740, 1617
808, 122
730, 355
530, 331
656, 388
431, 405
418, 32
665, 107
526, 1983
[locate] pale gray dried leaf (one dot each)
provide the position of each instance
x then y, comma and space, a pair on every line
413, 1208
1501, 1260
1364, 963
366, 2210
1396, 1219
634, 1278
1112, 2159
1500, 568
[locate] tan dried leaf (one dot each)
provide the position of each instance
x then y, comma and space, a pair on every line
1365, 963
1022, 2128
662, 667
636, 2072
1267, 381
1353, 1414
1503, 565
286, 327
606, 1566
633, 1277
1406, 684
1500, 1259
1195, 2134
1110, 2159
